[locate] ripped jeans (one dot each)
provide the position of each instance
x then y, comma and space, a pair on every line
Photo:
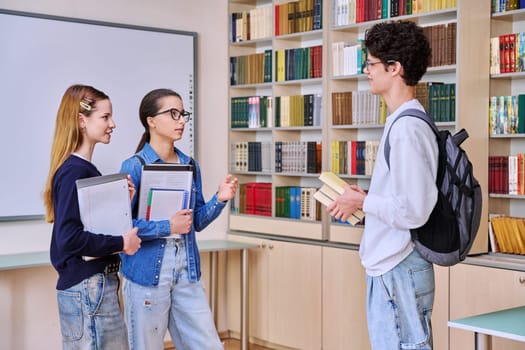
174, 304
399, 306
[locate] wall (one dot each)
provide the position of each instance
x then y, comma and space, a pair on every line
212, 72
27, 295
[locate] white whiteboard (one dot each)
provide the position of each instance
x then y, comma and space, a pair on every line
40, 56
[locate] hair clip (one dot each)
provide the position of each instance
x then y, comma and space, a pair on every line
87, 103
85, 106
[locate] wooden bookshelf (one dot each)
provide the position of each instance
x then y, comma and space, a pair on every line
468, 71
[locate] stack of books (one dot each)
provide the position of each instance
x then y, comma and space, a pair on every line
333, 186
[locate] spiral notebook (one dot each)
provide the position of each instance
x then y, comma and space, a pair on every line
162, 203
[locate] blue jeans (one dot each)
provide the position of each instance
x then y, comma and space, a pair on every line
174, 304
399, 306
90, 316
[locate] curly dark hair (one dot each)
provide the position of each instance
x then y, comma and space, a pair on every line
401, 41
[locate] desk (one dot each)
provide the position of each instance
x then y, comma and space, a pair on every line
214, 247
41, 258
507, 324
24, 260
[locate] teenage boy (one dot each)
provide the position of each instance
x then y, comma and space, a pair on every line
400, 283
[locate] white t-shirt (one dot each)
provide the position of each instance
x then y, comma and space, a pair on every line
400, 198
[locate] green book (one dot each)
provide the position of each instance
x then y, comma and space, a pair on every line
521, 114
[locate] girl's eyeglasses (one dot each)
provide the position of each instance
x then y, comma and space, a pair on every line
176, 114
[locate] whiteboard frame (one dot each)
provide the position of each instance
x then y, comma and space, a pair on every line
193, 91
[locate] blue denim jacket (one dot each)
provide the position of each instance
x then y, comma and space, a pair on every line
144, 267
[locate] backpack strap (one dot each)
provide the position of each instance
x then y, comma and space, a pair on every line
135, 209
142, 161
412, 112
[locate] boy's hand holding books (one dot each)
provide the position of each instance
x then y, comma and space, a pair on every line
347, 207
342, 201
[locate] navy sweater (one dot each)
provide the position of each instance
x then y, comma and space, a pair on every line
69, 241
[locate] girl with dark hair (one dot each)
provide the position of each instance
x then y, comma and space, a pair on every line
87, 290
162, 287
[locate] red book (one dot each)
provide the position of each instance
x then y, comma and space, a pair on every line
250, 198
354, 157
502, 54
360, 11
506, 53
505, 171
512, 52
276, 20
267, 199
491, 174
261, 199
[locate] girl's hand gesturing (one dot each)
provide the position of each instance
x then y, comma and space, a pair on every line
227, 188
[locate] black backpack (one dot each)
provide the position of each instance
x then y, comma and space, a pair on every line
446, 238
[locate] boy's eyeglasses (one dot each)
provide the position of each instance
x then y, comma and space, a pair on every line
369, 64
176, 114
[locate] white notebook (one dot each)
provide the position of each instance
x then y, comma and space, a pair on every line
163, 176
163, 203
104, 204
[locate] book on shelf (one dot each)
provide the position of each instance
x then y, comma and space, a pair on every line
251, 25
253, 198
298, 16
492, 239
298, 157
298, 110
507, 174
251, 69
333, 186
294, 202
508, 234
507, 114
299, 63
442, 40
251, 112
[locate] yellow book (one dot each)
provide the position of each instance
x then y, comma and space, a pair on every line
498, 229
280, 65
335, 156
517, 235
333, 181
325, 199
332, 188
521, 230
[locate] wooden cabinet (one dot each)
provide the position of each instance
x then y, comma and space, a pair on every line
479, 289
284, 293
344, 302
440, 313
344, 296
